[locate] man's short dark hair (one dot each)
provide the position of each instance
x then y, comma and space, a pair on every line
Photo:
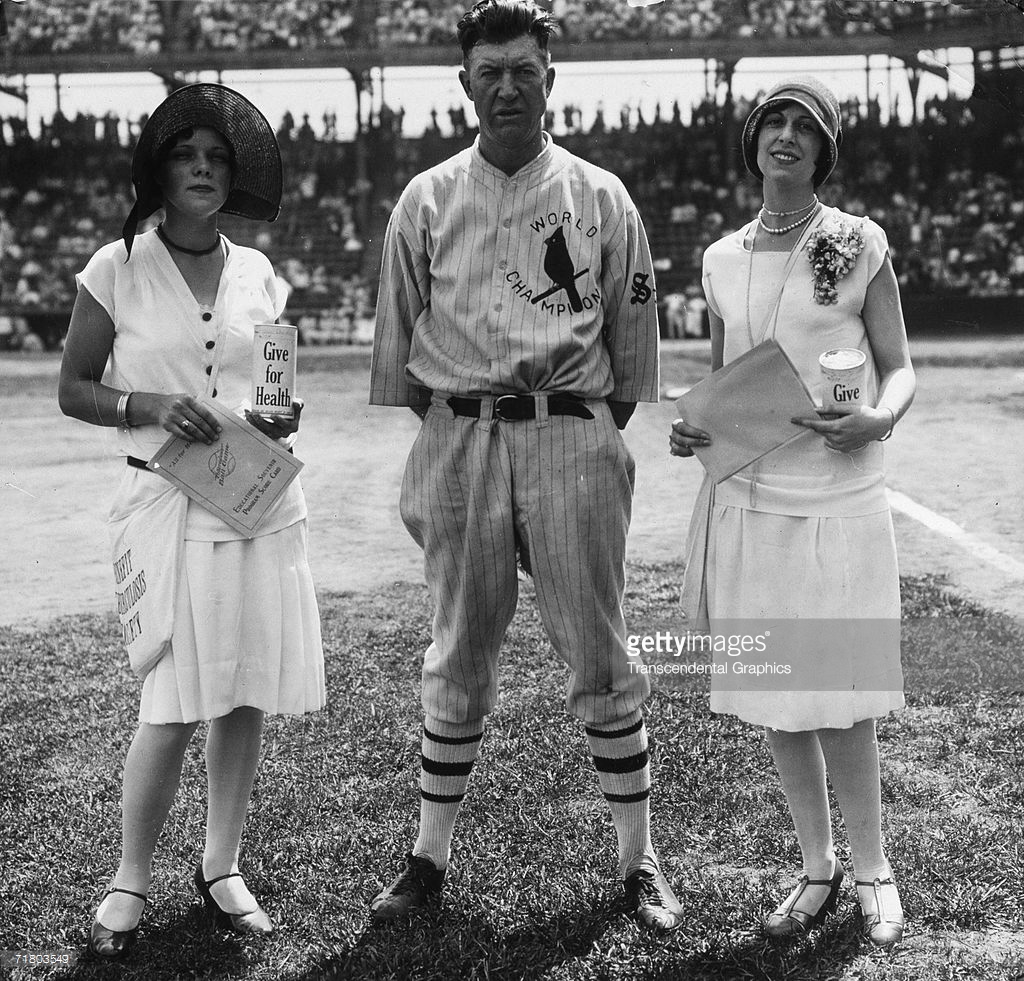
497, 21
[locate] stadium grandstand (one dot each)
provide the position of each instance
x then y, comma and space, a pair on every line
149, 27
945, 184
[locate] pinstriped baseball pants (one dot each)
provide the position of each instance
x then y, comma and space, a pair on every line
562, 487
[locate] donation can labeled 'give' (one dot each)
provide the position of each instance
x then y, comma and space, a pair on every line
844, 374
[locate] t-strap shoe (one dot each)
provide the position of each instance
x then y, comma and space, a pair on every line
882, 915
254, 921
790, 920
655, 902
113, 944
419, 882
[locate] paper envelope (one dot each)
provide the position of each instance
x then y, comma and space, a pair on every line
746, 407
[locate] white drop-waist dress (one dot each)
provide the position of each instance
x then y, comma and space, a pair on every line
246, 626
805, 532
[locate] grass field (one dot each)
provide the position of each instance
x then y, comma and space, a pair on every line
532, 891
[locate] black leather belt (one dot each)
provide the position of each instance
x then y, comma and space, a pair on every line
514, 408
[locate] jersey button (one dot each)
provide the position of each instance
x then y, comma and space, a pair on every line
207, 316
209, 368
497, 307
209, 345
507, 223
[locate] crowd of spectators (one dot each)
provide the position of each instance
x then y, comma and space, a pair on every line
85, 25
66, 191
606, 20
147, 27
417, 21
947, 191
943, 188
226, 25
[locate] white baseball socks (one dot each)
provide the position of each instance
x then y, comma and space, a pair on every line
449, 751
620, 756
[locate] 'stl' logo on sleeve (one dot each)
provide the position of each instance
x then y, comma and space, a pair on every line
641, 291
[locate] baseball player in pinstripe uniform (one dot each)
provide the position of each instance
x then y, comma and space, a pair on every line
517, 317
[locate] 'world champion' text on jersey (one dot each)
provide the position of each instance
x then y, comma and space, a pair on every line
538, 282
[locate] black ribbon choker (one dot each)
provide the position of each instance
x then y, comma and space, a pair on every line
181, 248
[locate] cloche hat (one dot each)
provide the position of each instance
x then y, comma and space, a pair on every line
823, 107
256, 180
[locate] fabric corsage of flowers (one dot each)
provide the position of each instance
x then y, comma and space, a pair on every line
832, 253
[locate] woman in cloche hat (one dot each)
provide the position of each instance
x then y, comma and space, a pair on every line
802, 538
227, 627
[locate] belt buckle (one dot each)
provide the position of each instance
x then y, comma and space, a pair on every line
508, 414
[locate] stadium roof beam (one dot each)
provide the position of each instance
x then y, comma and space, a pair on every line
14, 92
173, 80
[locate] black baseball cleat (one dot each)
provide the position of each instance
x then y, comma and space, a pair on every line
656, 904
417, 884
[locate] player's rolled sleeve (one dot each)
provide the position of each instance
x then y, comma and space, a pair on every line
631, 311
403, 297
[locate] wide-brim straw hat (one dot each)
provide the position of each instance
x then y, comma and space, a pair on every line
256, 181
820, 103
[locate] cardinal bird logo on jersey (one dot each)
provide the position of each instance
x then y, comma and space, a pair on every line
558, 265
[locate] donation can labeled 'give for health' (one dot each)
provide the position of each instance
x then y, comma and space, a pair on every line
273, 369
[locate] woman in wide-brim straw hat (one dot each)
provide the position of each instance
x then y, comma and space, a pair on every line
228, 628
804, 536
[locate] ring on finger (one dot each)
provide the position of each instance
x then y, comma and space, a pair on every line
185, 423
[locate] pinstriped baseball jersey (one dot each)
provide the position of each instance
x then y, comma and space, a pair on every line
538, 282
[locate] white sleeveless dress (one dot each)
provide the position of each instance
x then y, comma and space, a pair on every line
246, 622
805, 533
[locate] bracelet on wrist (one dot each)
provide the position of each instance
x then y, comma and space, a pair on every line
122, 410
892, 426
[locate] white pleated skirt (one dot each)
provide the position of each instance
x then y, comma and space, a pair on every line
246, 632
838, 569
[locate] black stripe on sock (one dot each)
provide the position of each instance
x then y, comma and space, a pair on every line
459, 768
628, 798
453, 740
622, 764
441, 798
614, 733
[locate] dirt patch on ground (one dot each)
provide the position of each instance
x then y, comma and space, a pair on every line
955, 453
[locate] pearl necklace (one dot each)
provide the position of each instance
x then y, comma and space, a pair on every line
786, 214
785, 228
